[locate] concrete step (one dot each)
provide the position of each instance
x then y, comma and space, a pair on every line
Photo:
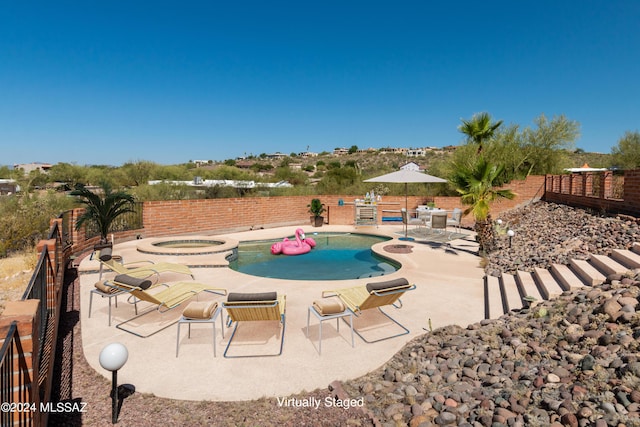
635, 248
626, 257
528, 284
607, 265
547, 284
587, 272
511, 292
492, 298
566, 277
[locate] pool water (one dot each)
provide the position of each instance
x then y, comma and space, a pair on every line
337, 256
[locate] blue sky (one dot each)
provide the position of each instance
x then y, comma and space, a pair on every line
165, 81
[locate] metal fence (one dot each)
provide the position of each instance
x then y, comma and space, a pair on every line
43, 287
128, 221
7, 379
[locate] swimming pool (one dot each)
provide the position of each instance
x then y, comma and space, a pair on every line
337, 256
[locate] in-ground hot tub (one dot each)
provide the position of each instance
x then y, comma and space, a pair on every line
186, 245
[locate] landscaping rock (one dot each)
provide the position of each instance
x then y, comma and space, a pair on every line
573, 361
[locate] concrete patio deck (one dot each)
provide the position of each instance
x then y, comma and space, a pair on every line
449, 291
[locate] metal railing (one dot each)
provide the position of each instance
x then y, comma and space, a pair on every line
38, 289
7, 379
127, 221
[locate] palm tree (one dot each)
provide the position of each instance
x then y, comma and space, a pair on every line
102, 209
479, 128
478, 188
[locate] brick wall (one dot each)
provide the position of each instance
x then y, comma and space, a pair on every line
238, 214
176, 217
577, 190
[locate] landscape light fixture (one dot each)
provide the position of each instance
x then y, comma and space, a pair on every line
510, 233
112, 358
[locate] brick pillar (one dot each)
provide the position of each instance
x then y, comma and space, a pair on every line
25, 364
606, 188
571, 181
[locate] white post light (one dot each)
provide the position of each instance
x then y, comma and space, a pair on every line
510, 233
112, 358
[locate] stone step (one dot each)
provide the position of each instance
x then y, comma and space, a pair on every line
587, 272
528, 284
635, 248
511, 292
566, 277
493, 298
607, 265
626, 257
547, 284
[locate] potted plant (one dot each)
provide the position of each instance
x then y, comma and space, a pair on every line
316, 209
102, 209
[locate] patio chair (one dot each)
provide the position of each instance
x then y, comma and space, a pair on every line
167, 299
456, 219
140, 272
438, 222
249, 307
408, 220
374, 295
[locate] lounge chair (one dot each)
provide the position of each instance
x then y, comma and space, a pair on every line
245, 307
374, 295
167, 299
140, 272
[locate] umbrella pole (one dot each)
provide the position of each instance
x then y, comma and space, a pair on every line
406, 211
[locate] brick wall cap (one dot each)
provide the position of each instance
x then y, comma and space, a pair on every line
21, 308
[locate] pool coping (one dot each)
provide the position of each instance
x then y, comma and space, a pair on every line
150, 246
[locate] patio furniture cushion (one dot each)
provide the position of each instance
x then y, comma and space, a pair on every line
102, 287
133, 281
388, 285
200, 309
328, 307
105, 254
248, 297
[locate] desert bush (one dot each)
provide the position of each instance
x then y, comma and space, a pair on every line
25, 219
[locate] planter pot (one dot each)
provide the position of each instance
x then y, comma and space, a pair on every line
317, 221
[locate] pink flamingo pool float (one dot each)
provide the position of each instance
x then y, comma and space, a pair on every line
300, 246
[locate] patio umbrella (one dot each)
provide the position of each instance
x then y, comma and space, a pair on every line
406, 177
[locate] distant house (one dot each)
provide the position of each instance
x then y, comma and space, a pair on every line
393, 150
416, 152
340, 151
308, 154
8, 186
27, 168
276, 156
585, 168
367, 150
199, 163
